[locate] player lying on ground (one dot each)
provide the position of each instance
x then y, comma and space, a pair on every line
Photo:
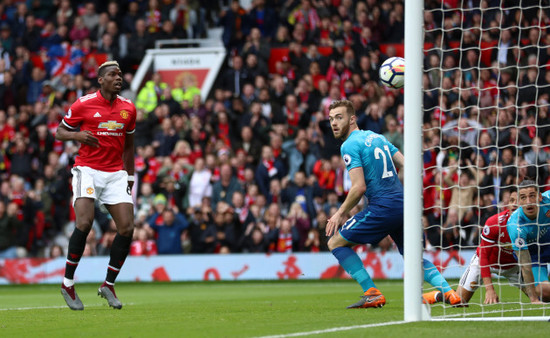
529, 229
493, 255
370, 159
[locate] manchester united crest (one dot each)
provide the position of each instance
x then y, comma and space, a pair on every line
124, 114
90, 190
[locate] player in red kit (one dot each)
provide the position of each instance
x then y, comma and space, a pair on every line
103, 123
493, 255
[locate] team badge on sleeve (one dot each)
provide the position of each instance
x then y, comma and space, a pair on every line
347, 159
69, 113
486, 230
520, 242
124, 114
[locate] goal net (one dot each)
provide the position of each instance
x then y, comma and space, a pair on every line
486, 87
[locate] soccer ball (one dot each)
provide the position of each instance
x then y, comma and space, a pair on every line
392, 72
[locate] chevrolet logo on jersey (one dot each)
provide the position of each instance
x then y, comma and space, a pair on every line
111, 125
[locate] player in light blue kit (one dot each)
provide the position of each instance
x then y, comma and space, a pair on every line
370, 160
529, 230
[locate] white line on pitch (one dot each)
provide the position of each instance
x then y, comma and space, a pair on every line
334, 329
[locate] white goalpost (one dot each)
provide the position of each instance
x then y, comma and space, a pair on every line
476, 99
412, 251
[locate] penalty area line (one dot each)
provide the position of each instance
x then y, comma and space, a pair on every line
334, 329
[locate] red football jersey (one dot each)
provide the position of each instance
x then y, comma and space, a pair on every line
495, 248
109, 123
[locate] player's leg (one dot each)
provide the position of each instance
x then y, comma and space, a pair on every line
117, 199
84, 199
123, 216
469, 282
84, 213
431, 274
348, 259
359, 229
513, 275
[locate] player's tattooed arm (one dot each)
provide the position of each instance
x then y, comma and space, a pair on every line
524, 260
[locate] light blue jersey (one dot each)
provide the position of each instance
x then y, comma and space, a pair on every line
532, 235
374, 153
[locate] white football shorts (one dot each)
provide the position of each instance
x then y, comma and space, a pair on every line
471, 278
105, 187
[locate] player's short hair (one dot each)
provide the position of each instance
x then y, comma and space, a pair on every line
509, 189
102, 68
343, 103
528, 182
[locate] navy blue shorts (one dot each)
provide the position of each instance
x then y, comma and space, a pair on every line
373, 224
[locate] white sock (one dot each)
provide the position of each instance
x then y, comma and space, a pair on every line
68, 282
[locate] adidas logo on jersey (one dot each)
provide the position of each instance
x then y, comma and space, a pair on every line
97, 114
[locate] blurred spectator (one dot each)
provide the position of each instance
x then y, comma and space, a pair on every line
199, 185
254, 240
268, 169
142, 245
301, 222
165, 139
185, 20
149, 96
153, 16
285, 238
235, 77
392, 134
227, 234
223, 189
236, 25
264, 18
56, 251
259, 47
300, 156
9, 226
169, 228
298, 190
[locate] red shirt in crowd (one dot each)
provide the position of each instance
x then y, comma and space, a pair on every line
143, 248
109, 123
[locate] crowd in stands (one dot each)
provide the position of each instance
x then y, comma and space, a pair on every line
255, 168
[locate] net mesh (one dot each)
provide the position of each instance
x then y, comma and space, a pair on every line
486, 127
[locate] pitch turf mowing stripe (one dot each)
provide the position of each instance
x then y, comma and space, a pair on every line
335, 329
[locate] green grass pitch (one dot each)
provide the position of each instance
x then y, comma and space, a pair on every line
241, 309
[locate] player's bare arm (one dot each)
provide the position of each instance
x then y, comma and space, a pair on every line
83, 136
128, 157
399, 162
491, 296
358, 188
524, 260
